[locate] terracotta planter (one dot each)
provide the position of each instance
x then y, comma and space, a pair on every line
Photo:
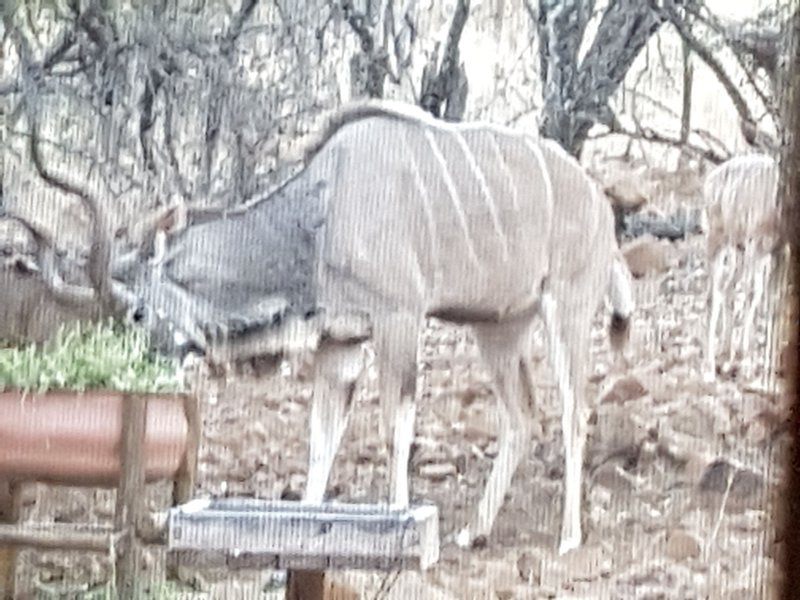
75, 438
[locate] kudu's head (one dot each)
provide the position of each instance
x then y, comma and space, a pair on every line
138, 261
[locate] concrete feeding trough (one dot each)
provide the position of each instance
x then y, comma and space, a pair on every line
248, 533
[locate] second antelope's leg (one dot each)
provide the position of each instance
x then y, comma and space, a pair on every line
395, 339
776, 282
568, 325
504, 349
337, 368
760, 268
731, 296
716, 300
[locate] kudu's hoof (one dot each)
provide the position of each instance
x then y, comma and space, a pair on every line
568, 544
465, 540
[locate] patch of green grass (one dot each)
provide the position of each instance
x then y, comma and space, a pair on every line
81, 357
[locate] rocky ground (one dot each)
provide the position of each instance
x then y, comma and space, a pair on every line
682, 475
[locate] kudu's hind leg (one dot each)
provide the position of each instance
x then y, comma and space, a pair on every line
337, 368
568, 325
396, 340
505, 351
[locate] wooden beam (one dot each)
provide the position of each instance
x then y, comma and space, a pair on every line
57, 536
183, 487
185, 479
78, 536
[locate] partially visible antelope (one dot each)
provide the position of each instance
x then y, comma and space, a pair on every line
743, 244
398, 217
30, 308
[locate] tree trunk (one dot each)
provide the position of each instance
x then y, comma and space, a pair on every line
577, 93
789, 525
446, 84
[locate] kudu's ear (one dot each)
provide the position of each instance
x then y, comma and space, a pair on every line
173, 219
162, 223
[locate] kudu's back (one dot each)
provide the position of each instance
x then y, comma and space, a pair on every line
453, 220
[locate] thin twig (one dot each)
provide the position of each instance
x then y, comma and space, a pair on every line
648, 135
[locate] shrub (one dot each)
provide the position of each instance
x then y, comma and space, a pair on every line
82, 356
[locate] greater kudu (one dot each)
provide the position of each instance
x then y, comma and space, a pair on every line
397, 217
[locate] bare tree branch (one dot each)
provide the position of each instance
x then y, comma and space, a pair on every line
757, 49
449, 85
649, 135
749, 125
707, 136
371, 67
238, 21
52, 57
762, 38
686, 92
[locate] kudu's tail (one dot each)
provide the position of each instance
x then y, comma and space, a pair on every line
622, 303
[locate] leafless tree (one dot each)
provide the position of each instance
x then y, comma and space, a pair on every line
117, 111
579, 84
386, 33
577, 90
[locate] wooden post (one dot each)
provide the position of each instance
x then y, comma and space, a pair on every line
789, 528
316, 585
185, 479
129, 496
306, 585
183, 488
10, 508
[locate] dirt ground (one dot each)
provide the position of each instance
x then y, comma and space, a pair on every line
679, 494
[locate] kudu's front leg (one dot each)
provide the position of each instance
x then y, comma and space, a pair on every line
396, 339
337, 368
